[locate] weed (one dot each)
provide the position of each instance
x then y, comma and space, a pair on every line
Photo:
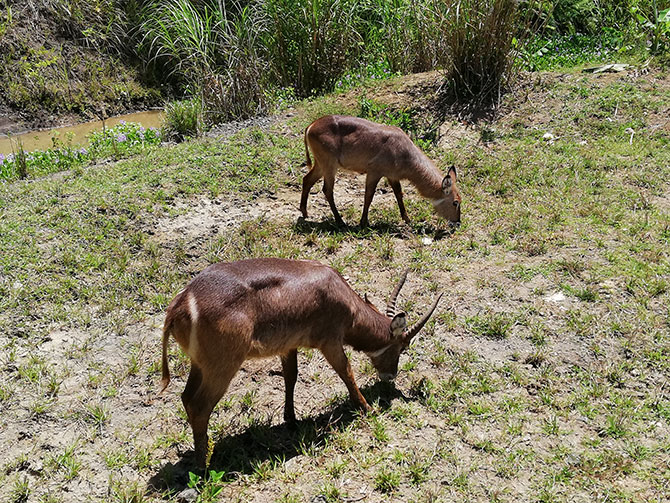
387, 480
20, 490
491, 325
67, 462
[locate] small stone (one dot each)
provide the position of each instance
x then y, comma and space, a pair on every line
548, 136
427, 241
556, 297
187, 496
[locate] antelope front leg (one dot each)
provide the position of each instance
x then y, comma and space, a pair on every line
289, 363
328, 190
397, 190
339, 361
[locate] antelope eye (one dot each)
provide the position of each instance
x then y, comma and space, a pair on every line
456, 203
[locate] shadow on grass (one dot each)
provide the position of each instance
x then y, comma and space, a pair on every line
244, 452
399, 230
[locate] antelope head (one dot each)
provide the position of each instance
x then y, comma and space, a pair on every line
385, 360
449, 206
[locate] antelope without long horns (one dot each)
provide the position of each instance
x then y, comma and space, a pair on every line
378, 151
258, 308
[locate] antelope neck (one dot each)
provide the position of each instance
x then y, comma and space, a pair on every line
428, 181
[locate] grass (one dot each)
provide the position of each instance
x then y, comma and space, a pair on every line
512, 394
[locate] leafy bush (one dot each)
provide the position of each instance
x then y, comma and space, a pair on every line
655, 25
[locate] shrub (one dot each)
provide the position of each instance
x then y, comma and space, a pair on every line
182, 119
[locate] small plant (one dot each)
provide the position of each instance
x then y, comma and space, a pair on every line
66, 462
331, 493
97, 415
20, 160
379, 430
183, 119
419, 471
21, 490
387, 481
491, 325
615, 427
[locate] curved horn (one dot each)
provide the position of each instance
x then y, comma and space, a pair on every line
390, 307
411, 332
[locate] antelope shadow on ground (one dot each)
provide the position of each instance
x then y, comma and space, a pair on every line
398, 230
242, 453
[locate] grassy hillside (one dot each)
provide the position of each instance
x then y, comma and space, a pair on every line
543, 376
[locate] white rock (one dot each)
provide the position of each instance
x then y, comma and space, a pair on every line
427, 241
555, 297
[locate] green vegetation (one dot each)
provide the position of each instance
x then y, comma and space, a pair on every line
541, 378
183, 119
115, 142
240, 59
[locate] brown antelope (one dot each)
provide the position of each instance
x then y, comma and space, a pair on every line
355, 144
258, 308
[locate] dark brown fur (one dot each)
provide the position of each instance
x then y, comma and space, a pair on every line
258, 308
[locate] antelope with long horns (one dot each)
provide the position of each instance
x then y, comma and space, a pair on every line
258, 308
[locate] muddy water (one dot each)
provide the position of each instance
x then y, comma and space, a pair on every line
41, 140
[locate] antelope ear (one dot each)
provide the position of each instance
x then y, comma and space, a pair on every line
449, 180
398, 325
447, 184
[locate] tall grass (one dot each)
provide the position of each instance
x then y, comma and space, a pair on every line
310, 42
482, 40
407, 34
234, 55
209, 48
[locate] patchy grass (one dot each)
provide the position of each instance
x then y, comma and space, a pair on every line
541, 378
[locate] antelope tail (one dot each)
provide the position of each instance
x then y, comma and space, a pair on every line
309, 160
165, 369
